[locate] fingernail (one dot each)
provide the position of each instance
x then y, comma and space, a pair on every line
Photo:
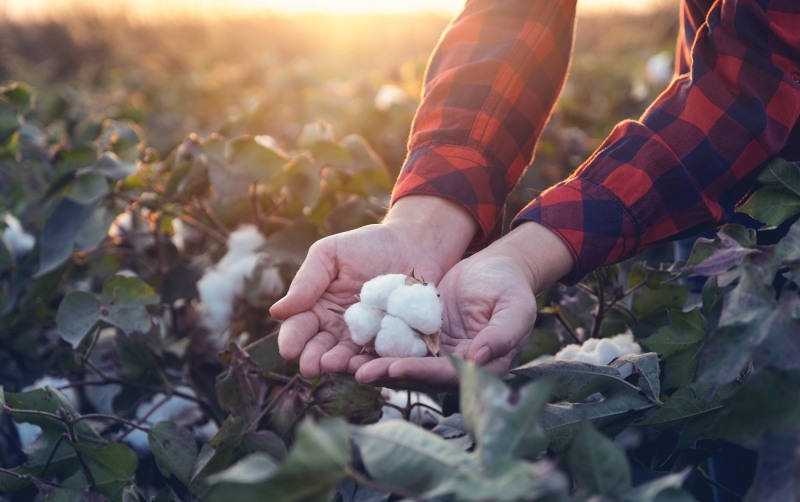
482, 356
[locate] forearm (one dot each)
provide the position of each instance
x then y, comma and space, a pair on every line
439, 227
490, 87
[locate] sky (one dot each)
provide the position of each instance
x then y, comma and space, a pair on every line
21, 9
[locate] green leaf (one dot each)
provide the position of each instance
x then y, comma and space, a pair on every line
253, 468
687, 403
110, 166
767, 403
290, 244
124, 301
303, 181
597, 465
746, 319
780, 348
502, 420
112, 466
59, 232
77, 314
782, 172
123, 138
315, 132
254, 160
778, 469
679, 343
645, 366
174, 449
713, 257
315, 465
771, 205
95, 229
88, 188
574, 381
787, 250
20, 95
341, 395
364, 158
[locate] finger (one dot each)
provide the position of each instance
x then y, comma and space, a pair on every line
295, 332
506, 332
315, 275
428, 374
358, 361
313, 352
337, 359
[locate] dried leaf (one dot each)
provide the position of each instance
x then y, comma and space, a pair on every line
433, 342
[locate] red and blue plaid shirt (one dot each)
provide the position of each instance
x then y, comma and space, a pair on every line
680, 169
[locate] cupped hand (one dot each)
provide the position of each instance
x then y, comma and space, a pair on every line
423, 234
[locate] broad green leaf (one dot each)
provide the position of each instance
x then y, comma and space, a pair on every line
651, 303
574, 381
59, 232
331, 153
112, 466
713, 257
88, 188
254, 468
174, 449
562, 420
71, 159
746, 318
110, 166
315, 132
341, 395
252, 159
502, 420
302, 183
645, 366
693, 401
290, 244
771, 205
363, 156
77, 314
782, 172
20, 95
124, 138
597, 465
124, 300
95, 229
767, 403
317, 462
265, 353
679, 343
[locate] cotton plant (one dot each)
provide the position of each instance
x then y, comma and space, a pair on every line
224, 284
396, 315
600, 351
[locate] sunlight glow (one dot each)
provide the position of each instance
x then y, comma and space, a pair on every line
157, 8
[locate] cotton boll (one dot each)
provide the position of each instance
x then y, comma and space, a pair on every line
17, 240
601, 351
418, 305
175, 409
388, 96
375, 292
396, 339
658, 69
242, 242
429, 414
29, 433
363, 321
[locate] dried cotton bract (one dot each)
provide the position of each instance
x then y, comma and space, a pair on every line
400, 314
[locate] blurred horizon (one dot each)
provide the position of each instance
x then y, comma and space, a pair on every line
154, 9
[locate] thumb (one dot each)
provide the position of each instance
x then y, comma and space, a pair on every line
312, 279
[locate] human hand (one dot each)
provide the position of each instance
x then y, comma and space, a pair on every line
426, 234
489, 310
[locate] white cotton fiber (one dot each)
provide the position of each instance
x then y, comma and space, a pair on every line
363, 321
396, 339
600, 351
418, 305
16, 239
375, 292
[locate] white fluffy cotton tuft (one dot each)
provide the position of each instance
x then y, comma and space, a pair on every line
375, 292
363, 321
396, 339
600, 351
223, 284
418, 305
16, 239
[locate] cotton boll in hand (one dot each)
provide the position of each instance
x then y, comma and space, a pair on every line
375, 292
363, 321
418, 305
396, 339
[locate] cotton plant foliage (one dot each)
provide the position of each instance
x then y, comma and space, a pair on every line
396, 315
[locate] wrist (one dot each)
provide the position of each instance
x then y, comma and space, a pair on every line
437, 226
541, 255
